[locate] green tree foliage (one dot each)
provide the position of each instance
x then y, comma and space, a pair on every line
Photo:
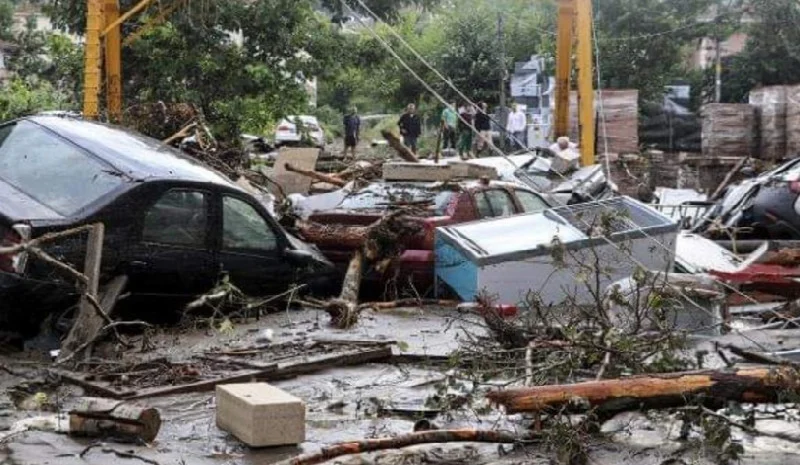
242, 62
772, 51
25, 97
643, 42
6, 19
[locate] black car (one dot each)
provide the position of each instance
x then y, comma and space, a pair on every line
172, 225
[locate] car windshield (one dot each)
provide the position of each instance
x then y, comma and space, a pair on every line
52, 171
380, 196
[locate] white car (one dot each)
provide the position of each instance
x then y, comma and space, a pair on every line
287, 132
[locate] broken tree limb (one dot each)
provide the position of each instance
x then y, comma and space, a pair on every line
275, 372
711, 387
316, 175
394, 142
406, 440
96, 416
87, 323
321, 234
728, 178
344, 310
377, 306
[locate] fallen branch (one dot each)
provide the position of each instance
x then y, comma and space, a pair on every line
49, 237
394, 142
763, 359
107, 450
406, 440
273, 373
103, 331
746, 428
316, 175
728, 178
409, 303
710, 387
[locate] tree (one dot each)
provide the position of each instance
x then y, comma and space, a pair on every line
772, 52
6, 19
238, 61
642, 42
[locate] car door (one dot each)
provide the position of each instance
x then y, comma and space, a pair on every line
174, 252
251, 247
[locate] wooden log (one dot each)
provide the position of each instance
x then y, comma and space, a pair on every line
317, 176
88, 322
344, 310
351, 237
710, 387
406, 440
99, 417
394, 142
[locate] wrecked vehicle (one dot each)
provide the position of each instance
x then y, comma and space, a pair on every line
171, 224
442, 203
765, 207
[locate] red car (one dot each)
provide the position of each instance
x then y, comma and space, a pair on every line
449, 203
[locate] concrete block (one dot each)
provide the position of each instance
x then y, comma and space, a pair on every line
261, 415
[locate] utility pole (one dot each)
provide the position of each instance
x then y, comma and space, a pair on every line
503, 112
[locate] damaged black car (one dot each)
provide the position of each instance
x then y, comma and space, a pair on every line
172, 225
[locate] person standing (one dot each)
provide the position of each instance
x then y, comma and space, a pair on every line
449, 125
410, 127
483, 124
352, 131
465, 130
516, 127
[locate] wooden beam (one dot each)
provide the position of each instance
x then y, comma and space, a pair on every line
88, 322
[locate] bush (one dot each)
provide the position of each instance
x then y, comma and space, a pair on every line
22, 98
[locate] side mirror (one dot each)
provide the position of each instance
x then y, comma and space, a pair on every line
300, 257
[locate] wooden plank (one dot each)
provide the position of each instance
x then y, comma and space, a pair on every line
88, 322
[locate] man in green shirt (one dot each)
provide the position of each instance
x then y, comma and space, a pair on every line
449, 124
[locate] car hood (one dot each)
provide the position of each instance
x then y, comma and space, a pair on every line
18, 206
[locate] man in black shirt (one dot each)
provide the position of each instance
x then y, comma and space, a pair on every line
410, 127
352, 131
483, 125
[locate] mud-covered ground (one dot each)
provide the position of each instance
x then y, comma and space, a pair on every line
352, 403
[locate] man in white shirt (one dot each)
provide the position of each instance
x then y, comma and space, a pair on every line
517, 123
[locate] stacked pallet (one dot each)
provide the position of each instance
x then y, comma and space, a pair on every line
793, 121
771, 111
729, 130
617, 120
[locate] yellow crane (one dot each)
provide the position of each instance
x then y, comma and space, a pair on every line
103, 33
575, 28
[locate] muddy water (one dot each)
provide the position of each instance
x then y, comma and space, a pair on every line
345, 404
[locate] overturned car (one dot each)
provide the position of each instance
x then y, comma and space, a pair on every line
172, 225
